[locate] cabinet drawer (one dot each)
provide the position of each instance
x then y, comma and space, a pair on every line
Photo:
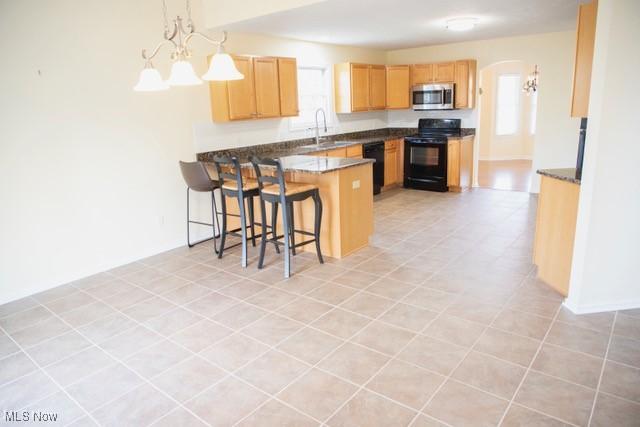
354, 151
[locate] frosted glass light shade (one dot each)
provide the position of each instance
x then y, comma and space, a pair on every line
150, 81
182, 74
222, 68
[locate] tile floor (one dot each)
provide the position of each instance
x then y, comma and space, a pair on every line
440, 322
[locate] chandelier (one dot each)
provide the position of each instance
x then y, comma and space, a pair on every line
531, 85
221, 67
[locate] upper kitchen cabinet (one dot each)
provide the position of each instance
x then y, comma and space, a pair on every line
584, 59
465, 83
398, 87
288, 81
444, 72
421, 74
359, 87
269, 89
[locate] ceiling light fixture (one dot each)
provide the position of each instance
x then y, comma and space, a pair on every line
221, 67
461, 24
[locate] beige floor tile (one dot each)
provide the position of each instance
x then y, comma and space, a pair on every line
272, 299
356, 279
179, 417
234, 351
569, 365
7, 346
188, 378
57, 348
211, 304
384, 338
24, 319
524, 324
104, 386
140, 406
535, 305
175, 264
272, 329
164, 285
455, 330
105, 328
16, 306
243, 289
331, 293
434, 355
219, 280
408, 317
578, 339
625, 350
317, 394
621, 380
109, 288
274, 413
201, 335
87, 314
368, 409
341, 323
129, 342
489, 374
173, 321
474, 311
27, 391
144, 277
187, 293
324, 271
391, 289
354, 363
79, 365
65, 409
563, 400
304, 310
273, 371
426, 421
463, 406
600, 322
410, 275
127, 298
627, 326
197, 272
378, 266
517, 416
367, 304
407, 384
506, 346
227, 402
15, 366
309, 345
239, 315
55, 293
33, 335
155, 359
610, 411
299, 284
430, 299
148, 309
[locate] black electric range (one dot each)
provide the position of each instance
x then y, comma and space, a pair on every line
425, 154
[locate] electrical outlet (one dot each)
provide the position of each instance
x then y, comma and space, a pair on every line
355, 184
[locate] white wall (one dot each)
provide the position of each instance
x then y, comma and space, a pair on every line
212, 136
606, 253
556, 139
221, 12
90, 175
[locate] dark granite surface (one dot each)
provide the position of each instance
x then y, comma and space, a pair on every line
307, 145
316, 164
564, 174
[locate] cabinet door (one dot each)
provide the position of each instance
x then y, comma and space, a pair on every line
421, 74
465, 89
444, 72
241, 93
265, 74
390, 164
584, 59
338, 152
377, 87
359, 87
354, 151
398, 80
453, 163
288, 81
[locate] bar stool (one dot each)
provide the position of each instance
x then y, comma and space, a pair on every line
197, 178
233, 185
274, 190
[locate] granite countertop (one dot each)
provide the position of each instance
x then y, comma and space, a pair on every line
315, 164
563, 174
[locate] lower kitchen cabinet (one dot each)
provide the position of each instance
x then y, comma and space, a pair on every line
460, 163
393, 158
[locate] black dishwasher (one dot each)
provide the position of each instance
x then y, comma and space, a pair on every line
375, 150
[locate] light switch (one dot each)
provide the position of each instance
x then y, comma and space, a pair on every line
355, 184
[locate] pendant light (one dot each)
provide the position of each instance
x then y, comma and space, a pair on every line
221, 68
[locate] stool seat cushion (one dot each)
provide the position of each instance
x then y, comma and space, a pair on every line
247, 184
291, 188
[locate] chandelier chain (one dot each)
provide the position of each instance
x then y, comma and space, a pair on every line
189, 20
166, 20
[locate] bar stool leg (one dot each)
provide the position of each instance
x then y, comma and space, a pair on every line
223, 233
251, 221
188, 222
274, 224
214, 216
263, 235
243, 229
287, 254
292, 228
317, 201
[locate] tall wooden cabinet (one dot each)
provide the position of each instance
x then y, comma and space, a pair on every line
359, 87
398, 87
269, 89
465, 81
586, 35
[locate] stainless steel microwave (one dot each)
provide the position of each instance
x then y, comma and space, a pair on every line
433, 97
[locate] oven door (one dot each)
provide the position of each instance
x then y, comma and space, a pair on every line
432, 97
425, 165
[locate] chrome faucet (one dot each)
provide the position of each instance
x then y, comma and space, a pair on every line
324, 119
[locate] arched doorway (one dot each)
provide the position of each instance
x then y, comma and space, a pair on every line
507, 121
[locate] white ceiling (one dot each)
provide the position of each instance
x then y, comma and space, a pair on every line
389, 24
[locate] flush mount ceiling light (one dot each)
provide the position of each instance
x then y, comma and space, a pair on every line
221, 67
461, 24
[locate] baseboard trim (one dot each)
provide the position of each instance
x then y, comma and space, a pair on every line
599, 308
